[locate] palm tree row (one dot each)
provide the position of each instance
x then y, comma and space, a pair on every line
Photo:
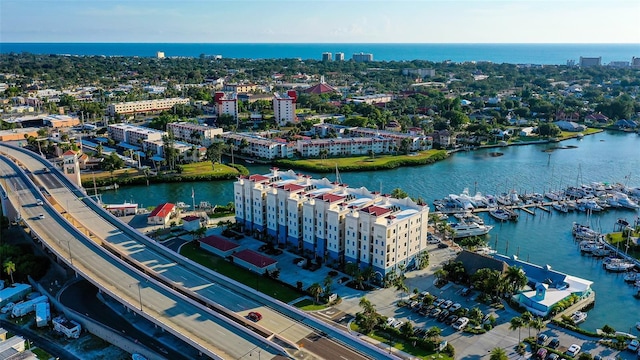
528, 320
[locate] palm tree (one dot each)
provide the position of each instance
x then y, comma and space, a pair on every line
441, 274
9, 268
516, 323
498, 354
315, 290
328, 281
527, 318
407, 329
433, 333
515, 279
537, 324
367, 307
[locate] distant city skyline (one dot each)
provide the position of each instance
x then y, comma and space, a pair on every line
321, 21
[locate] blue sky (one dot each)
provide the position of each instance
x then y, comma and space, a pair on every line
321, 21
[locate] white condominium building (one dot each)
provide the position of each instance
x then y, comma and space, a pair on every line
332, 222
416, 142
259, 147
194, 133
133, 134
344, 146
226, 103
284, 107
144, 106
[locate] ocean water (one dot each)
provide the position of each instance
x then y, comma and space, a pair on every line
544, 238
547, 54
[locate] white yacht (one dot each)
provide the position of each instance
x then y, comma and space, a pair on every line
562, 207
619, 265
578, 317
182, 205
463, 229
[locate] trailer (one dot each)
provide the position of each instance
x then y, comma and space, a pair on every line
28, 306
69, 328
14, 293
43, 314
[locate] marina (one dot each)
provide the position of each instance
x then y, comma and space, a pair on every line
545, 238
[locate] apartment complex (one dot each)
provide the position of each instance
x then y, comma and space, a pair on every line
194, 133
259, 147
416, 142
226, 103
326, 56
371, 99
143, 106
419, 72
339, 56
590, 61
240, 88
362, 57
284, 107
133, 134
344, 146
331, 221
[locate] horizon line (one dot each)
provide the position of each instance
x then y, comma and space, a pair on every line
323, 43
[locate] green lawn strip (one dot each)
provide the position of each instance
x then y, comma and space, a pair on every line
41, 354
620, 242
265, 285
400, 344
309, 305
363, 163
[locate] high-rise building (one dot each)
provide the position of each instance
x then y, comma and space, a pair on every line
226, 103
635, 62
362, 57
331, 222
160, 55
326, 56
590, 61
284, 107
339, 56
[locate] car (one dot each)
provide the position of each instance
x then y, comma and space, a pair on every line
597, 357
45, 170
254, 316
435, 312
447, 304
554, 343
442, 245
39, 202
424, 311
455, 307
542, 339
424, 293
5, 309
396, 324
633, 345
460, 323
297, 260
390, 321
451, 319
553, 356
573, 350
415, 305
439, 302
41, 216
443, 315
465, 292
541, 354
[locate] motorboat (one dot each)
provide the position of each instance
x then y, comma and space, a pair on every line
631, 277
469, 217
562, 207
584, 232
601, 252
589, 246
464, 229
578, 317
500, 214
619, 266
182, 205
638, 323
554, 195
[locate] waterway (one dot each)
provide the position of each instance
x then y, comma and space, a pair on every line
542, 239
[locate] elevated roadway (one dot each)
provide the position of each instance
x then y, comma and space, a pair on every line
280, 321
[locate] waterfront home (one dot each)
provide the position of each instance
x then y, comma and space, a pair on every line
546, 287
161, 214
570, 126
191, 223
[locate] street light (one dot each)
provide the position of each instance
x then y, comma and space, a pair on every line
69, 247
139, 293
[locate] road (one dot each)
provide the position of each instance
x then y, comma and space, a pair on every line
176, 270
186, 319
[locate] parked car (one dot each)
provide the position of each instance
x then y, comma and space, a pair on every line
451, 319
465, 292
439, 302
41, 216
553, 356
396, 324
554, 343
390, 321
254, 316
447, 304
541, 354
443, 315
542, 339
39, 202
442, 245
455, 307
573, 350
460, 323
435, 312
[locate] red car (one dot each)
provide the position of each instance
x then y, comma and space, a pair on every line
254, 316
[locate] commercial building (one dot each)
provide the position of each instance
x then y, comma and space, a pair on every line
18, 134
590, 61
326, 56
260, 147
226, 103
371, 99
60, 121
332, 222
362, 57
416, 142
284, 107
144, 106
339, 56
194, 133
133, 134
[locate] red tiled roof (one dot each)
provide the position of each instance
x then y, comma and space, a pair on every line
331, 197
258, 178
219, 243
292, 187
68, 153
254, 258
162, 210
376, 210
190, 218
320, 89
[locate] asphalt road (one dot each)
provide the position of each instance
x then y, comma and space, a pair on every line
45, 344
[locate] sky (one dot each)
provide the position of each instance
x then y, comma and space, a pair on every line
321, 21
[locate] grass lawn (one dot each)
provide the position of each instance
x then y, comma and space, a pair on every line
41, 354
118, 174
616, 239
362, 162
400, 344
263, 284
205, 168
309, 305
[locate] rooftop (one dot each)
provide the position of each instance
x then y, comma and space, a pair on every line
162, 210
219, 243
254, 258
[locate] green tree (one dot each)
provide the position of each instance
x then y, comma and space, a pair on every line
433, 333
398, 193
515, 279
327, 282
548, 130
516, 323
527, 317
315, 290
9, 268
498, 354
214, 152
407, 329
538, 324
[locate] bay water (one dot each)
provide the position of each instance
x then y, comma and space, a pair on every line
544, 238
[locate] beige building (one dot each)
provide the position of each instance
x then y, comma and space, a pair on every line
194, 133
144, 106
240, 88
133, 134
